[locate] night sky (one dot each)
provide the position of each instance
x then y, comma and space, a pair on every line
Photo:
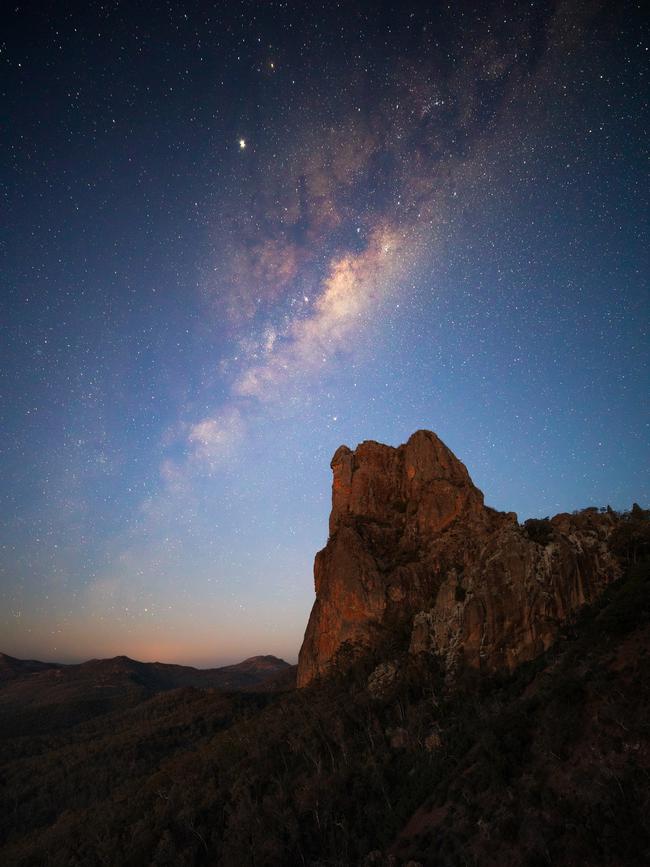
237, 235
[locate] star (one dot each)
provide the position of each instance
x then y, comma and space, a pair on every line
242, 144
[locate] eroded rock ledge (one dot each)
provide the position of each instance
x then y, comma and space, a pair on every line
412, 545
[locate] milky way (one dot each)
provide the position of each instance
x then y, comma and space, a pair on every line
239, 237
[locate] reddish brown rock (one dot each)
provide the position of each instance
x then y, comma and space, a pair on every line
412, 542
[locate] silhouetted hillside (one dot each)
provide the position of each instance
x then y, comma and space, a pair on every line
40, 697
10, 667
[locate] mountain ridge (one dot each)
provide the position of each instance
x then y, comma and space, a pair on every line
53, 695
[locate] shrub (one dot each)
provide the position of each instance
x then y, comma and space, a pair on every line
539, 530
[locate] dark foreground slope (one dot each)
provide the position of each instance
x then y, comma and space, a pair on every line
547, 765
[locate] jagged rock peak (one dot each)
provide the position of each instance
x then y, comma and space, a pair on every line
377, 481
412, 542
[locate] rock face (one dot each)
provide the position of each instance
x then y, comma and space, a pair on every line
412, 546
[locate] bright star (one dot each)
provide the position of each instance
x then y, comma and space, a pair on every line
242, 144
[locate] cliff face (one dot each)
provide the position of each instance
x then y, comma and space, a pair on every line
412, 545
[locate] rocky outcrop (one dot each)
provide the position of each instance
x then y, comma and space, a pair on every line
412, 546
382, 679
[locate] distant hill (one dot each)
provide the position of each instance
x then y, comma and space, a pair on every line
39, 696
10, 667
